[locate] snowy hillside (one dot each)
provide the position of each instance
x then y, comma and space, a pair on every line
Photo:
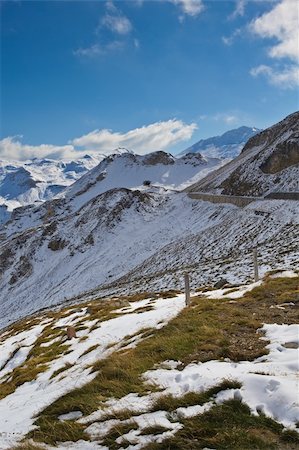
25, 184
147, 372
99, 238
160, 169
268, 163
136, 241
38, 180
228, 145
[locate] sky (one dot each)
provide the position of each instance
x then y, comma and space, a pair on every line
83, 77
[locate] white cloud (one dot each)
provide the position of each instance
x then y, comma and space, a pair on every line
136, 43
156, 136
285, 78
120, 25
239, 9
190, 7
90, 52
229, 40
281, 24
98, 49
115, 20
12, 148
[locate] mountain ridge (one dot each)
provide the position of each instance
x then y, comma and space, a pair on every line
268, 163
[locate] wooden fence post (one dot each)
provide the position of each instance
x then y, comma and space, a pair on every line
187, 288
255, 265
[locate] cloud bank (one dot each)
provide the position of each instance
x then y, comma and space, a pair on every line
156, 136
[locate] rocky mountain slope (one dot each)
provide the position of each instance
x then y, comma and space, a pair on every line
130, 241
228, 145
112, 233
268, 163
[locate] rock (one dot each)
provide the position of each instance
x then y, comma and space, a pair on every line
285, 155
158, 157
291, 345
71, 332
221, 283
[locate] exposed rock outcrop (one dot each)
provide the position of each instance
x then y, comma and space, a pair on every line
268, 163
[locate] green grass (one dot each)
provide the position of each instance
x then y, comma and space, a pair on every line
57, 431
170, 404
61, 370
116, 432
229, 426
37, 361
154, 429
90, 349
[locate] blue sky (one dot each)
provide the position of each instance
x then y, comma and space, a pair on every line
80, 76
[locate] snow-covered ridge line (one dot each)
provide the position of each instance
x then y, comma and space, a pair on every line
122, 239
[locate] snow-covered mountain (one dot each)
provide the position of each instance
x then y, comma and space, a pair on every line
128, 241
268, 164
112, 233
128, 170
31, 182
38, 180
228, 145
158, 171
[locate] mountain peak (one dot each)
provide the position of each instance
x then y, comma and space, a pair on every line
227, 145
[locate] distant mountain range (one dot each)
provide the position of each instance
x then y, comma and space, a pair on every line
228, 145
38, 180
27, 182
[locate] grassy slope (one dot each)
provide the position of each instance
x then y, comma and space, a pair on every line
207, 330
